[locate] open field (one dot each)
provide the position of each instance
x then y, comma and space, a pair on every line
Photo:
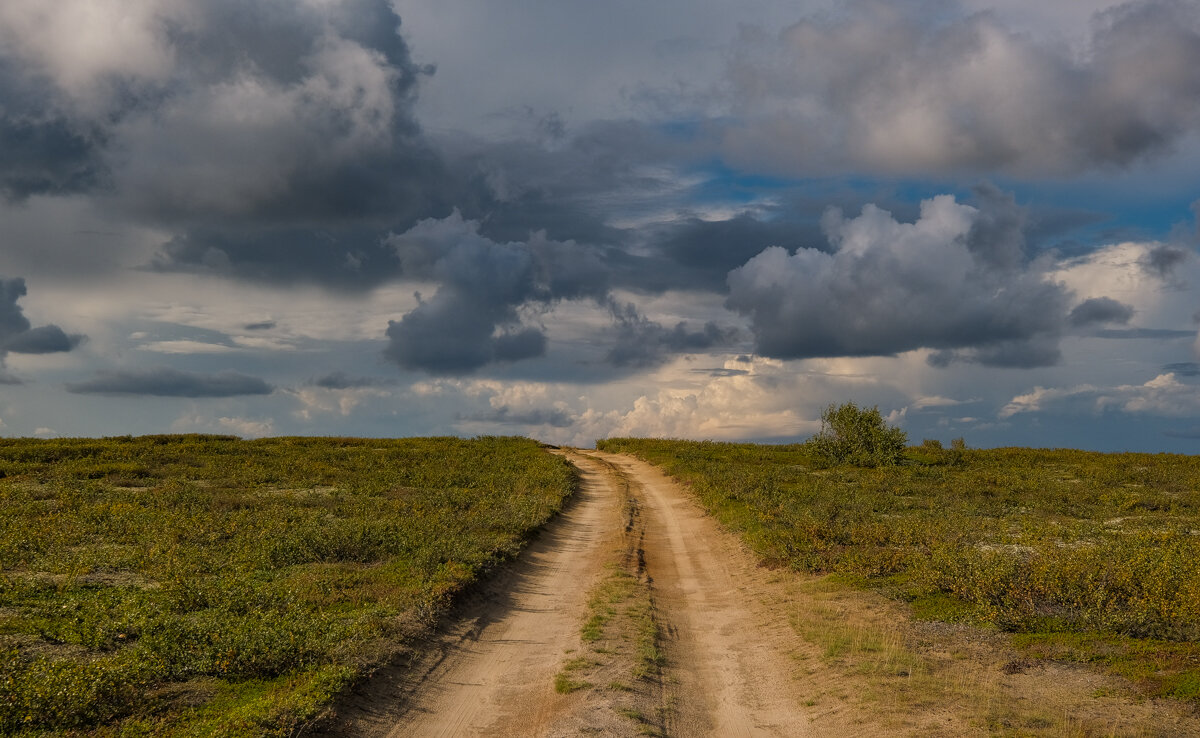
1084, 557
201, 585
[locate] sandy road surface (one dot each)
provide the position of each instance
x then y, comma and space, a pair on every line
726, 672
724, 675
497, 677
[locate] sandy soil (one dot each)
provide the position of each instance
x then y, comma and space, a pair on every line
747, 649
497, 674
727, 669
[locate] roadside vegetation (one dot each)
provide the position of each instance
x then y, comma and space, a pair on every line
1083, 556
205, 585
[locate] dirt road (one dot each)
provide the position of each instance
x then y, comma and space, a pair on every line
723, 675
496, 677
738, 650
727, 672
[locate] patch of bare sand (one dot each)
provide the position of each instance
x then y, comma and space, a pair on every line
728, 670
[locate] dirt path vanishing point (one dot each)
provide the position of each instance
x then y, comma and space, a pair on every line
495, 673
728, 674
741, 657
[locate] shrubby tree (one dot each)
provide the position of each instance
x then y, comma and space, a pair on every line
853, 435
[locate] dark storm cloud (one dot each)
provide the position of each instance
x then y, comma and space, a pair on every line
997, 235
954, 280
46, 339
17, 334
475, 317
332, 135
1099, 310
1161, 261
699, 254
641, 342
1183, 369
332, 232
43, 154
343, 381
330, 87
263, 325
1028, 353
275, 139
505, 415
1160, 333
165, 382
487, 291
880, 86
348, 257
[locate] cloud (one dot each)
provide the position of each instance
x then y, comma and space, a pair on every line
722, 372
165, 382
700, 253
262, 325
17, 334
1183, 369
273, 140
878, 86
1154, 333
954, 280
46, 339
1162, 260
1164, 396
504, 415
340, 400
342, 381
1099, 310
641, 342
474, 318
185, 346
934, 401
769, 402
244, 427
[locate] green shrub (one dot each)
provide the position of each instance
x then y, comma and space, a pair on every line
857, 436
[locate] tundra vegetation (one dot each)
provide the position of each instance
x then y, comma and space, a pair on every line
205, 585
1082, 556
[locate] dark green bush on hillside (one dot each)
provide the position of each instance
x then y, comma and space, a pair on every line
857, 436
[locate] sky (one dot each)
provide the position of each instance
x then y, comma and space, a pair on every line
575, 220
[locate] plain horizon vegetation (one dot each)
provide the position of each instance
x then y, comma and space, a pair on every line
206, 585
1082, 556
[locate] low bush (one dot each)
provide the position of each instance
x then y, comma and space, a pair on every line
858, 436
